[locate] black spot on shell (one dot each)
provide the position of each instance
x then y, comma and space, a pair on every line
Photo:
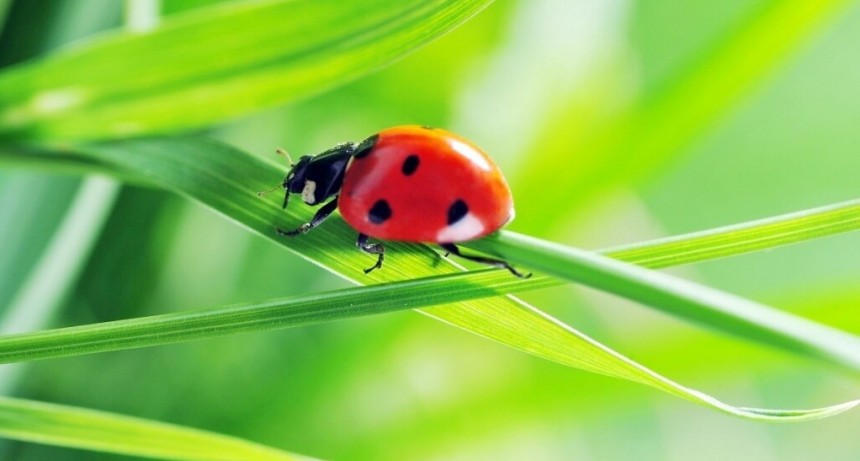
457, 211
379, 212
410, 164
365, 147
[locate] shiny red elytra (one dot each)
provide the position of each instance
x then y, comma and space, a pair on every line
408, 183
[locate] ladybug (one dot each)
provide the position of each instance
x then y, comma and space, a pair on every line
410, 184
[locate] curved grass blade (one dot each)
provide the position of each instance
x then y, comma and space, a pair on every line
213, 179
215, 63
682, 249
354, 302
680, 298
158, 330
65, 426
226, 180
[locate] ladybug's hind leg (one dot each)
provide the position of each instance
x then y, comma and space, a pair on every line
500, 263
372, 248
318, 219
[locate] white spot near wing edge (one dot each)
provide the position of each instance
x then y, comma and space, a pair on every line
468, 227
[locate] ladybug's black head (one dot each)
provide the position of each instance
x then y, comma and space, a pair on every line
294, 182
320, 177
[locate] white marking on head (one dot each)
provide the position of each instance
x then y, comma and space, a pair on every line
308, 192
468, 227
473, 155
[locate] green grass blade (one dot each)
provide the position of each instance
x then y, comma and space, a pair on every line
259, 316
680, 298
73, 427
699, 246
215, 63
198, 173
227, 180
186, 326
235, 198
353, 302
742, 238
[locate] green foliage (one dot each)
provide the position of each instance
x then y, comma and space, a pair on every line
210, 62
99, 431
664, 120
131, 83
199, 174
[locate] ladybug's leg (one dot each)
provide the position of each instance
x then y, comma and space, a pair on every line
318, 218
372, 248
451, 248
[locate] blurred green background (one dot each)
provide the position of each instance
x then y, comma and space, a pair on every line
614, 121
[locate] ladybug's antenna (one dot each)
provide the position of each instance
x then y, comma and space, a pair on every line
286, 154
264, 193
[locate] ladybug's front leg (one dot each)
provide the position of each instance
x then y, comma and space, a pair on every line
318, 218
372, 248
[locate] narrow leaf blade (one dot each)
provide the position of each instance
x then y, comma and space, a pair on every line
215, 63
209, 172
67, 426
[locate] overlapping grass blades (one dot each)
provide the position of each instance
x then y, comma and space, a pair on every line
129, 84
227, 180
214, 63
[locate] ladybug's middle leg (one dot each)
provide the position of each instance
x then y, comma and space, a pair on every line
318, 218
372, 248
502, 264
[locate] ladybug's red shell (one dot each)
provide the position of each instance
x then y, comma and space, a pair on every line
418, 184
